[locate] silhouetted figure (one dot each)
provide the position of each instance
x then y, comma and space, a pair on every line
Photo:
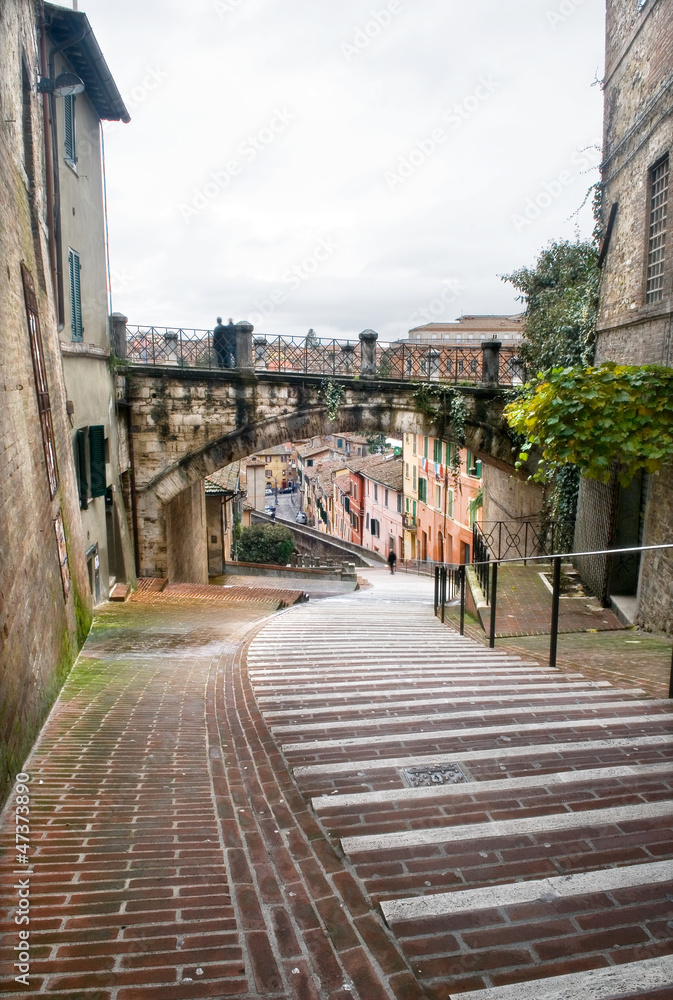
392, 559
224, 343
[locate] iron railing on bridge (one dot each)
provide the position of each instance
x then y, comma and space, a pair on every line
193, 348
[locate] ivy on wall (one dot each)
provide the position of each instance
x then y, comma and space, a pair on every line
333, 395
596, 418
447, 408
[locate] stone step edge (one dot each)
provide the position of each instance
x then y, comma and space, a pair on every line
546, 890
619, 981
610, 816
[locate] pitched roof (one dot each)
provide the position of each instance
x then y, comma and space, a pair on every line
84, 55
224, 480
385, 469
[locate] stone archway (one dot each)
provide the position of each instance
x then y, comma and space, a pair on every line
187, 423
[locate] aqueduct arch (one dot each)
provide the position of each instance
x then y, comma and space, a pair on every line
188, 423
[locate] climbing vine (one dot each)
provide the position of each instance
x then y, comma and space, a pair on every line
445, 406
333, 395
597, 418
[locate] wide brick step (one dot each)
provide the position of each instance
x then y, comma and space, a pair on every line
566, 794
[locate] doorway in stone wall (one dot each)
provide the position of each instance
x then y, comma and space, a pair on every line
93, 569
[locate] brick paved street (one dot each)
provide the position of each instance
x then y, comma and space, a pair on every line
231, 802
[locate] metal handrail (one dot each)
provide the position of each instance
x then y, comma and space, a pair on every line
491, 567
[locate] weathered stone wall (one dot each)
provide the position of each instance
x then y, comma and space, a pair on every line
40, 631
638, 132
186, 536
186, 424
508, 497
656, 576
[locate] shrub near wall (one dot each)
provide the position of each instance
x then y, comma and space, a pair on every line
266, 543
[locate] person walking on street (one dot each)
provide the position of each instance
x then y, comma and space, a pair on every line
392, 559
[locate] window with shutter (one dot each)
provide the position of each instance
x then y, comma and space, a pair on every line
69, 139
97, 461
423, 490
80, 466
449, 503
425, 447
385, 498
75, 296
399, 503
437, 451
413, 481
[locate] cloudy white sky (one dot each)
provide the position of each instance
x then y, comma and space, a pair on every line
343, 165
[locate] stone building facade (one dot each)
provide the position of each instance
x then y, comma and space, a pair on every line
45, 603
635, 324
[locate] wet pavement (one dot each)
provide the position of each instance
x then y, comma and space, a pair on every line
228, 801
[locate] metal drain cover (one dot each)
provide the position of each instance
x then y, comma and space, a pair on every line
426, 777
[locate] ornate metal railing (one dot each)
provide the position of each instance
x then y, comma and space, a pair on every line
183, 347
481, 557
524, 539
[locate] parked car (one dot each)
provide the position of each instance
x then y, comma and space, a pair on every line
301, 517
268, 492
288, 489
269, 510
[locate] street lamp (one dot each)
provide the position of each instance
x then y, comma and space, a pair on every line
65, 85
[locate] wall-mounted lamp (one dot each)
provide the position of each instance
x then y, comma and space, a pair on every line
65, 85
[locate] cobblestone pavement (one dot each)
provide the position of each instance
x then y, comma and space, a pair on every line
218, 807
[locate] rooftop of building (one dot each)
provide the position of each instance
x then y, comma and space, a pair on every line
225, 480
388, 470
72, 32
471, 328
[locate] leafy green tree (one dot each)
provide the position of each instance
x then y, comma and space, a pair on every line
266, 543
597, 419
560, 294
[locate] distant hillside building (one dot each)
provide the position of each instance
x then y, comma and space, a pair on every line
468, 330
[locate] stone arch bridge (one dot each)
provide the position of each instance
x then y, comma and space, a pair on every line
185, 424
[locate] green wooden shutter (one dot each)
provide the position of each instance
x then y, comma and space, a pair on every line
69, 129
80, 465
437, 450
75, 296
97, 460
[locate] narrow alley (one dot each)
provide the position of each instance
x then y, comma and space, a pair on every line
344, 798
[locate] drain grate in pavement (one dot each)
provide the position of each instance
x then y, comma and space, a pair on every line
424, 777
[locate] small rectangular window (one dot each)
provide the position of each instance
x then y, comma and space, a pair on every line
75, 296
399, 503
385, 498
69, 130
437, 451
656, 250
425, 447
414, 445
438, 497
406, 470
413, 479
376, 491
367, 522
449, 503
423, 490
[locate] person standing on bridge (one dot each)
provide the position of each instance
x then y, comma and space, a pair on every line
224, 344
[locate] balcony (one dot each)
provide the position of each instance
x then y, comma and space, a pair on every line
409, 522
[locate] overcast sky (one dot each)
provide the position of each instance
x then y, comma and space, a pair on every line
343, 165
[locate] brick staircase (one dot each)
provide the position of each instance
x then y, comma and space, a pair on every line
512, 823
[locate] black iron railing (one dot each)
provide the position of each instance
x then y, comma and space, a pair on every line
449, 587
522, 539
481, 559
183, 347
444, 591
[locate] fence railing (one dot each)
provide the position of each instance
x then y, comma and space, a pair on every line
183, 347
446, 591
522, 539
